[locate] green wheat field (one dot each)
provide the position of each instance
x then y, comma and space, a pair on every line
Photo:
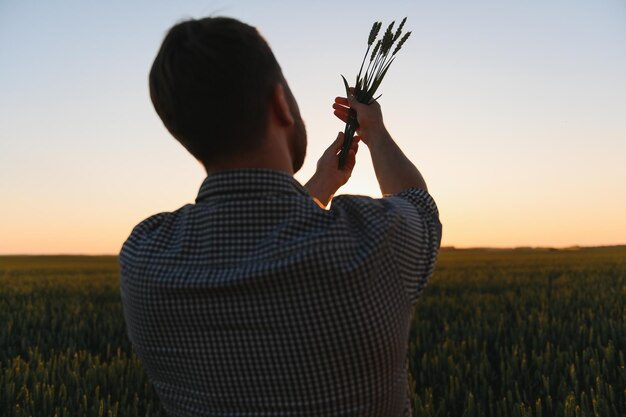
496, 333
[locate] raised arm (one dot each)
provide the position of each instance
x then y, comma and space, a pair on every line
394, 171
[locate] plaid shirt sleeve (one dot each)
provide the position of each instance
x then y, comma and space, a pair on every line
418, 238
413, 228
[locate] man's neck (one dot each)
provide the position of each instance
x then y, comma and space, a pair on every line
272, 155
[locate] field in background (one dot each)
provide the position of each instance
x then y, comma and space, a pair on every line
496, 333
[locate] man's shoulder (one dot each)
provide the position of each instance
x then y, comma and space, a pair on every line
411, 210
419, 198
150, 232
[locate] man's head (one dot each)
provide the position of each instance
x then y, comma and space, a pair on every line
213, 83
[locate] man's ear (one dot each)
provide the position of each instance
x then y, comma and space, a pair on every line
280, 105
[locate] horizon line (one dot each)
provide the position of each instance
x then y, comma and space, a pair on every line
443, 248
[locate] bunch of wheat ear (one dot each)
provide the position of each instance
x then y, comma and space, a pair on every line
365, 86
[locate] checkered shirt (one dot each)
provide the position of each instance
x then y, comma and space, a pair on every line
254, 301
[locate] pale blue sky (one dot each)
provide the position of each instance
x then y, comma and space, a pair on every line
514, 111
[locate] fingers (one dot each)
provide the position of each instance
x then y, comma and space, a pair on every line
350, 160
369, 116
354, 103
335, 149
328, 163
337, 144
341, 112
342, 103
346, 102
359, 107
341, 116
341, 108
338, 106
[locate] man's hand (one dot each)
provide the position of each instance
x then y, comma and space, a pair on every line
394, 171
369, 116
328, 177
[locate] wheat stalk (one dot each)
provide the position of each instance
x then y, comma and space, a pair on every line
366, 84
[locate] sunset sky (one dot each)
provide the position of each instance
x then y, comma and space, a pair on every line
515, 112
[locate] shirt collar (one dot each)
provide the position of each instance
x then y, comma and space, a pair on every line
248, 182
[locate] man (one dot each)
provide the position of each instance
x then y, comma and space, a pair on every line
256, 301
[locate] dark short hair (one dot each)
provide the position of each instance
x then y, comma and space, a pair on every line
211, 83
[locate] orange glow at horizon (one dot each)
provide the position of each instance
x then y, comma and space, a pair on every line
520, 134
